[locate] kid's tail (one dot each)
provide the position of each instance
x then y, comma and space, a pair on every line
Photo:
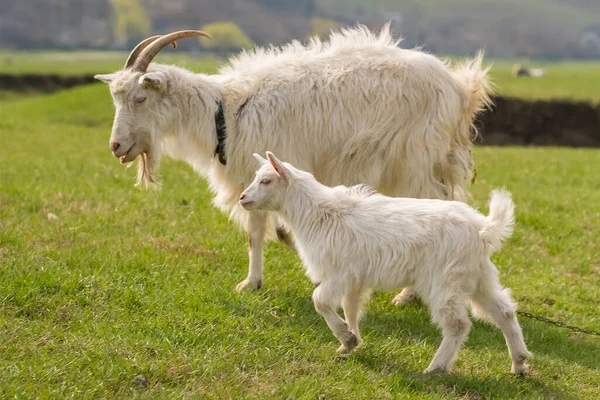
498, 225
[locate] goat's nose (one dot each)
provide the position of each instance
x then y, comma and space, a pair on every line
242, 197
114, 146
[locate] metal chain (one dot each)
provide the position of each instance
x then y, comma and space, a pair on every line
558, 323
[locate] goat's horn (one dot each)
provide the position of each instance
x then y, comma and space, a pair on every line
138, 49
148, 54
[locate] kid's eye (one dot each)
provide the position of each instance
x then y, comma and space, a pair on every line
265, 181
140, 99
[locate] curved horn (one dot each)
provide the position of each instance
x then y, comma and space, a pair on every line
138, 49
148, 54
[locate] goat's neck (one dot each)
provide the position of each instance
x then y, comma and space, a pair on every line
192, 133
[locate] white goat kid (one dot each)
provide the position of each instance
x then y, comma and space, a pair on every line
356, 109
352, 240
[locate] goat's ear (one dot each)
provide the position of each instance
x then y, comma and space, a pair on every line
106, 78
261, 160
153, 80
281, 169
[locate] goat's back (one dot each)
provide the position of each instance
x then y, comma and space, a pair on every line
356, 109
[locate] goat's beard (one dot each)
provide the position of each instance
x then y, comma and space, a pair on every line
147, 167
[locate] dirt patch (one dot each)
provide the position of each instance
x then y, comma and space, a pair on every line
42, 83
540, 123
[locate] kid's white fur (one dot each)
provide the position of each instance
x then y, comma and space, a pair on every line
352, 240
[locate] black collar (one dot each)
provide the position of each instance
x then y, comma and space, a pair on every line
221, 133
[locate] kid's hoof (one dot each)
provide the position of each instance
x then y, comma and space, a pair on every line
342, 350
351, 342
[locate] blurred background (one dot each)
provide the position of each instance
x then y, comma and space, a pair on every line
534, 29
111, 292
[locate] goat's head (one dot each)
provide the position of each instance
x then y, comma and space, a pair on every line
138, 93
267, 191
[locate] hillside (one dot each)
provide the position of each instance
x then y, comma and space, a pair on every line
575, 14
510, 28
121, 23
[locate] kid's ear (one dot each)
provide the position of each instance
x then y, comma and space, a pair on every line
261, 160
153, 80
281, 169
106, 78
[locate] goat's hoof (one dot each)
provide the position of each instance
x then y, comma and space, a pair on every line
520, 370
435, 370
253, 284
403, 298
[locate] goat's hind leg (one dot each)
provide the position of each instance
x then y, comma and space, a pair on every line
327, 299
451, 314
492, 302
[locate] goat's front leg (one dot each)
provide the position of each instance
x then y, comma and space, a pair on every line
327, 299
257, 223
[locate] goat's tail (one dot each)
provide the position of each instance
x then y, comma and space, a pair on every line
474, 78
498, 225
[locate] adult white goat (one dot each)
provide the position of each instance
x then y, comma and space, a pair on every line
356, 109
352, 240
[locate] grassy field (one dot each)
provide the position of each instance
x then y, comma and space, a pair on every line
93, 62
101, 282
564, 80
578, 81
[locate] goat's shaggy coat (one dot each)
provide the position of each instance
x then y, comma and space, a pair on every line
355, 109
352, 240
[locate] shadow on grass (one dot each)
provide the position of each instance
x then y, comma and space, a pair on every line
460, 384
412, 323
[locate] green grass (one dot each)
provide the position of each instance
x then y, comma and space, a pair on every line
93, 62
564, 80
128, 282
579, 81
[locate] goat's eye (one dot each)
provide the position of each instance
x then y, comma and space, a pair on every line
140, 99
265, 181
